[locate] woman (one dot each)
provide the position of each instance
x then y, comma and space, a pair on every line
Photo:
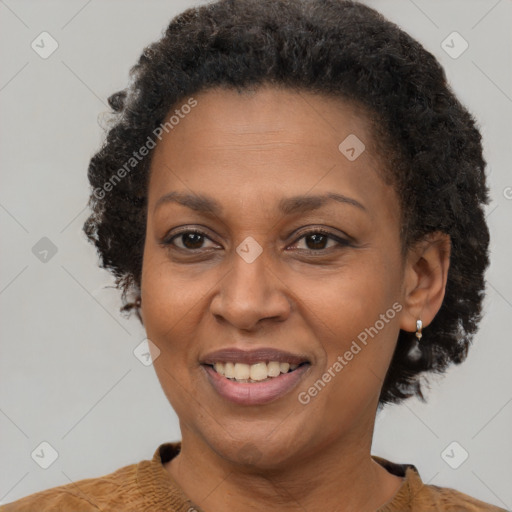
291, 199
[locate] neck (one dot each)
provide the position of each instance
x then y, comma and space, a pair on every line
338, 476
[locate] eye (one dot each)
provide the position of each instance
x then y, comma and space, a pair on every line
188, 240
317, 240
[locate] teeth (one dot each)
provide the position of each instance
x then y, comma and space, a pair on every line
258, 371
229, 370
219, 368
273, 369
242, 371
254, 372
284, 367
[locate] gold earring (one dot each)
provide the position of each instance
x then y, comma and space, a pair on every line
419, 327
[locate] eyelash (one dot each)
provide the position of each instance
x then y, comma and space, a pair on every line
168, 242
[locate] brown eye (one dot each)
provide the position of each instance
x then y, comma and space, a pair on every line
187, 240
191, 240
318, 240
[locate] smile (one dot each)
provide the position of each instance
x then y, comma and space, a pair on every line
258, 372
254, 377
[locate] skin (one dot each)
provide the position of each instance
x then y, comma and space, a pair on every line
248, 151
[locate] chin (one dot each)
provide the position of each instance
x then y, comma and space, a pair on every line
260, 449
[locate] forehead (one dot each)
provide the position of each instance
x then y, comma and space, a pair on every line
269, 143
267, 112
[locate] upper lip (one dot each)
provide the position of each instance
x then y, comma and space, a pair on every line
236, 355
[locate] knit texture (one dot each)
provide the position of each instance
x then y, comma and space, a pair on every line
147, 486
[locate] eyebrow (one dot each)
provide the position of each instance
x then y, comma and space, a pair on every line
289, 205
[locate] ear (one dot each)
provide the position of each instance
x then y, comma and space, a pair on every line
140, 311
424, 283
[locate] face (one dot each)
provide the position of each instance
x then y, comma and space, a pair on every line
272, 273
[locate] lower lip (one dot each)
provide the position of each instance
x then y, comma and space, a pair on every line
255, 393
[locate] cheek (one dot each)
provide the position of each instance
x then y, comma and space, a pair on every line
351, 299
165, 303
170, 308
168, 295
356, 322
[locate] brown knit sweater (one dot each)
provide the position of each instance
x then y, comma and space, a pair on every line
147, 486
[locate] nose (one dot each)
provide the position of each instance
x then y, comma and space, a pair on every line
251, 293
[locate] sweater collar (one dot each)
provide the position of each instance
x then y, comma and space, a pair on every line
154, 479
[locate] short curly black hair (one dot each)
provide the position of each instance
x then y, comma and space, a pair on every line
429, 143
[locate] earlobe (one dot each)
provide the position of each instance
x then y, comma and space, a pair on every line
425, 278
138, 306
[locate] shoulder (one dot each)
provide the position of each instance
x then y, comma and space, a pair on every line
415, 496
87, 495
432, 497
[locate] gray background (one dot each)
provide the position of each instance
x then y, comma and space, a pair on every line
68, 373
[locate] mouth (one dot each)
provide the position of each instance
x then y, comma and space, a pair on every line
258, 372
254, 377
